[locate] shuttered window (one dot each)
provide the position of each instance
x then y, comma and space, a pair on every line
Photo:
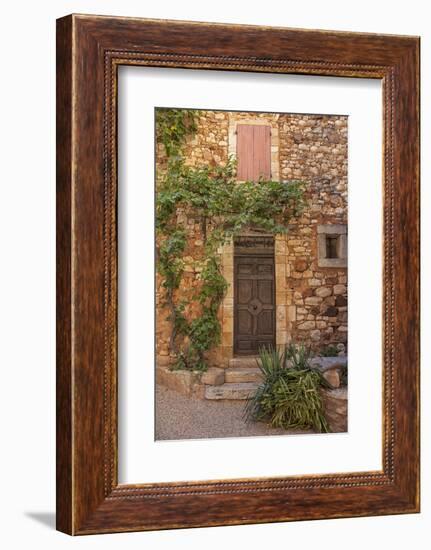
253, 152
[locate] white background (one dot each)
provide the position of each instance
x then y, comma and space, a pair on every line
141, 458
27, 204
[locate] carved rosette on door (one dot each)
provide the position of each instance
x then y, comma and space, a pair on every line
254, 292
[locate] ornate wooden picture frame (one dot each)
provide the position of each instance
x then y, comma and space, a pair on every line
89, 51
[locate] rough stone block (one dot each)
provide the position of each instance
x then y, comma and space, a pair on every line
213, 376
163, 360
301, 265
280, 270
313, 301
231, 391
228, 272
291, 313
335, 403
315, 335
227, 324
246, 362
227, 338
243, 374
331, 312
281, 337
227, 312
281, 297
340, 289
280, 246
327, 363
280, 259
307, 325
281, 316
341, 336
323, 292
332, 376
227, 260
181, 381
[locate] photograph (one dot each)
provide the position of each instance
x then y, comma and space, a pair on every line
251, 273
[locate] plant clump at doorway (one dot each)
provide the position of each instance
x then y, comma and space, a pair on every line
289, 395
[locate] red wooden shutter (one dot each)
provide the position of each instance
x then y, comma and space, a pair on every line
244, 151
262, 152
253, 152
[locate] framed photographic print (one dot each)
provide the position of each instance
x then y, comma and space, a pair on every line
237, 274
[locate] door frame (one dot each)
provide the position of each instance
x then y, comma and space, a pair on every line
249, 254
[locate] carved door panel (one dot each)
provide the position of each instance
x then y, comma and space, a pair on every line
254, 314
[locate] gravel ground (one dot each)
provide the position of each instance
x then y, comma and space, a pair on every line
180, 417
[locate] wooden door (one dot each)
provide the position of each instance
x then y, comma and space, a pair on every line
254, 315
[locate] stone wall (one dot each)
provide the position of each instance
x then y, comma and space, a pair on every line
311, 301
314, 148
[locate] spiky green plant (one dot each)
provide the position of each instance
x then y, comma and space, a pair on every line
288, 396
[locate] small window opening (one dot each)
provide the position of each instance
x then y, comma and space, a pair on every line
331, 246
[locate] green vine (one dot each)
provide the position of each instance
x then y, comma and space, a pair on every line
223, 208
173, 126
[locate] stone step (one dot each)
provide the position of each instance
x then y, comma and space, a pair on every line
242, 374
241, 390
249, 361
